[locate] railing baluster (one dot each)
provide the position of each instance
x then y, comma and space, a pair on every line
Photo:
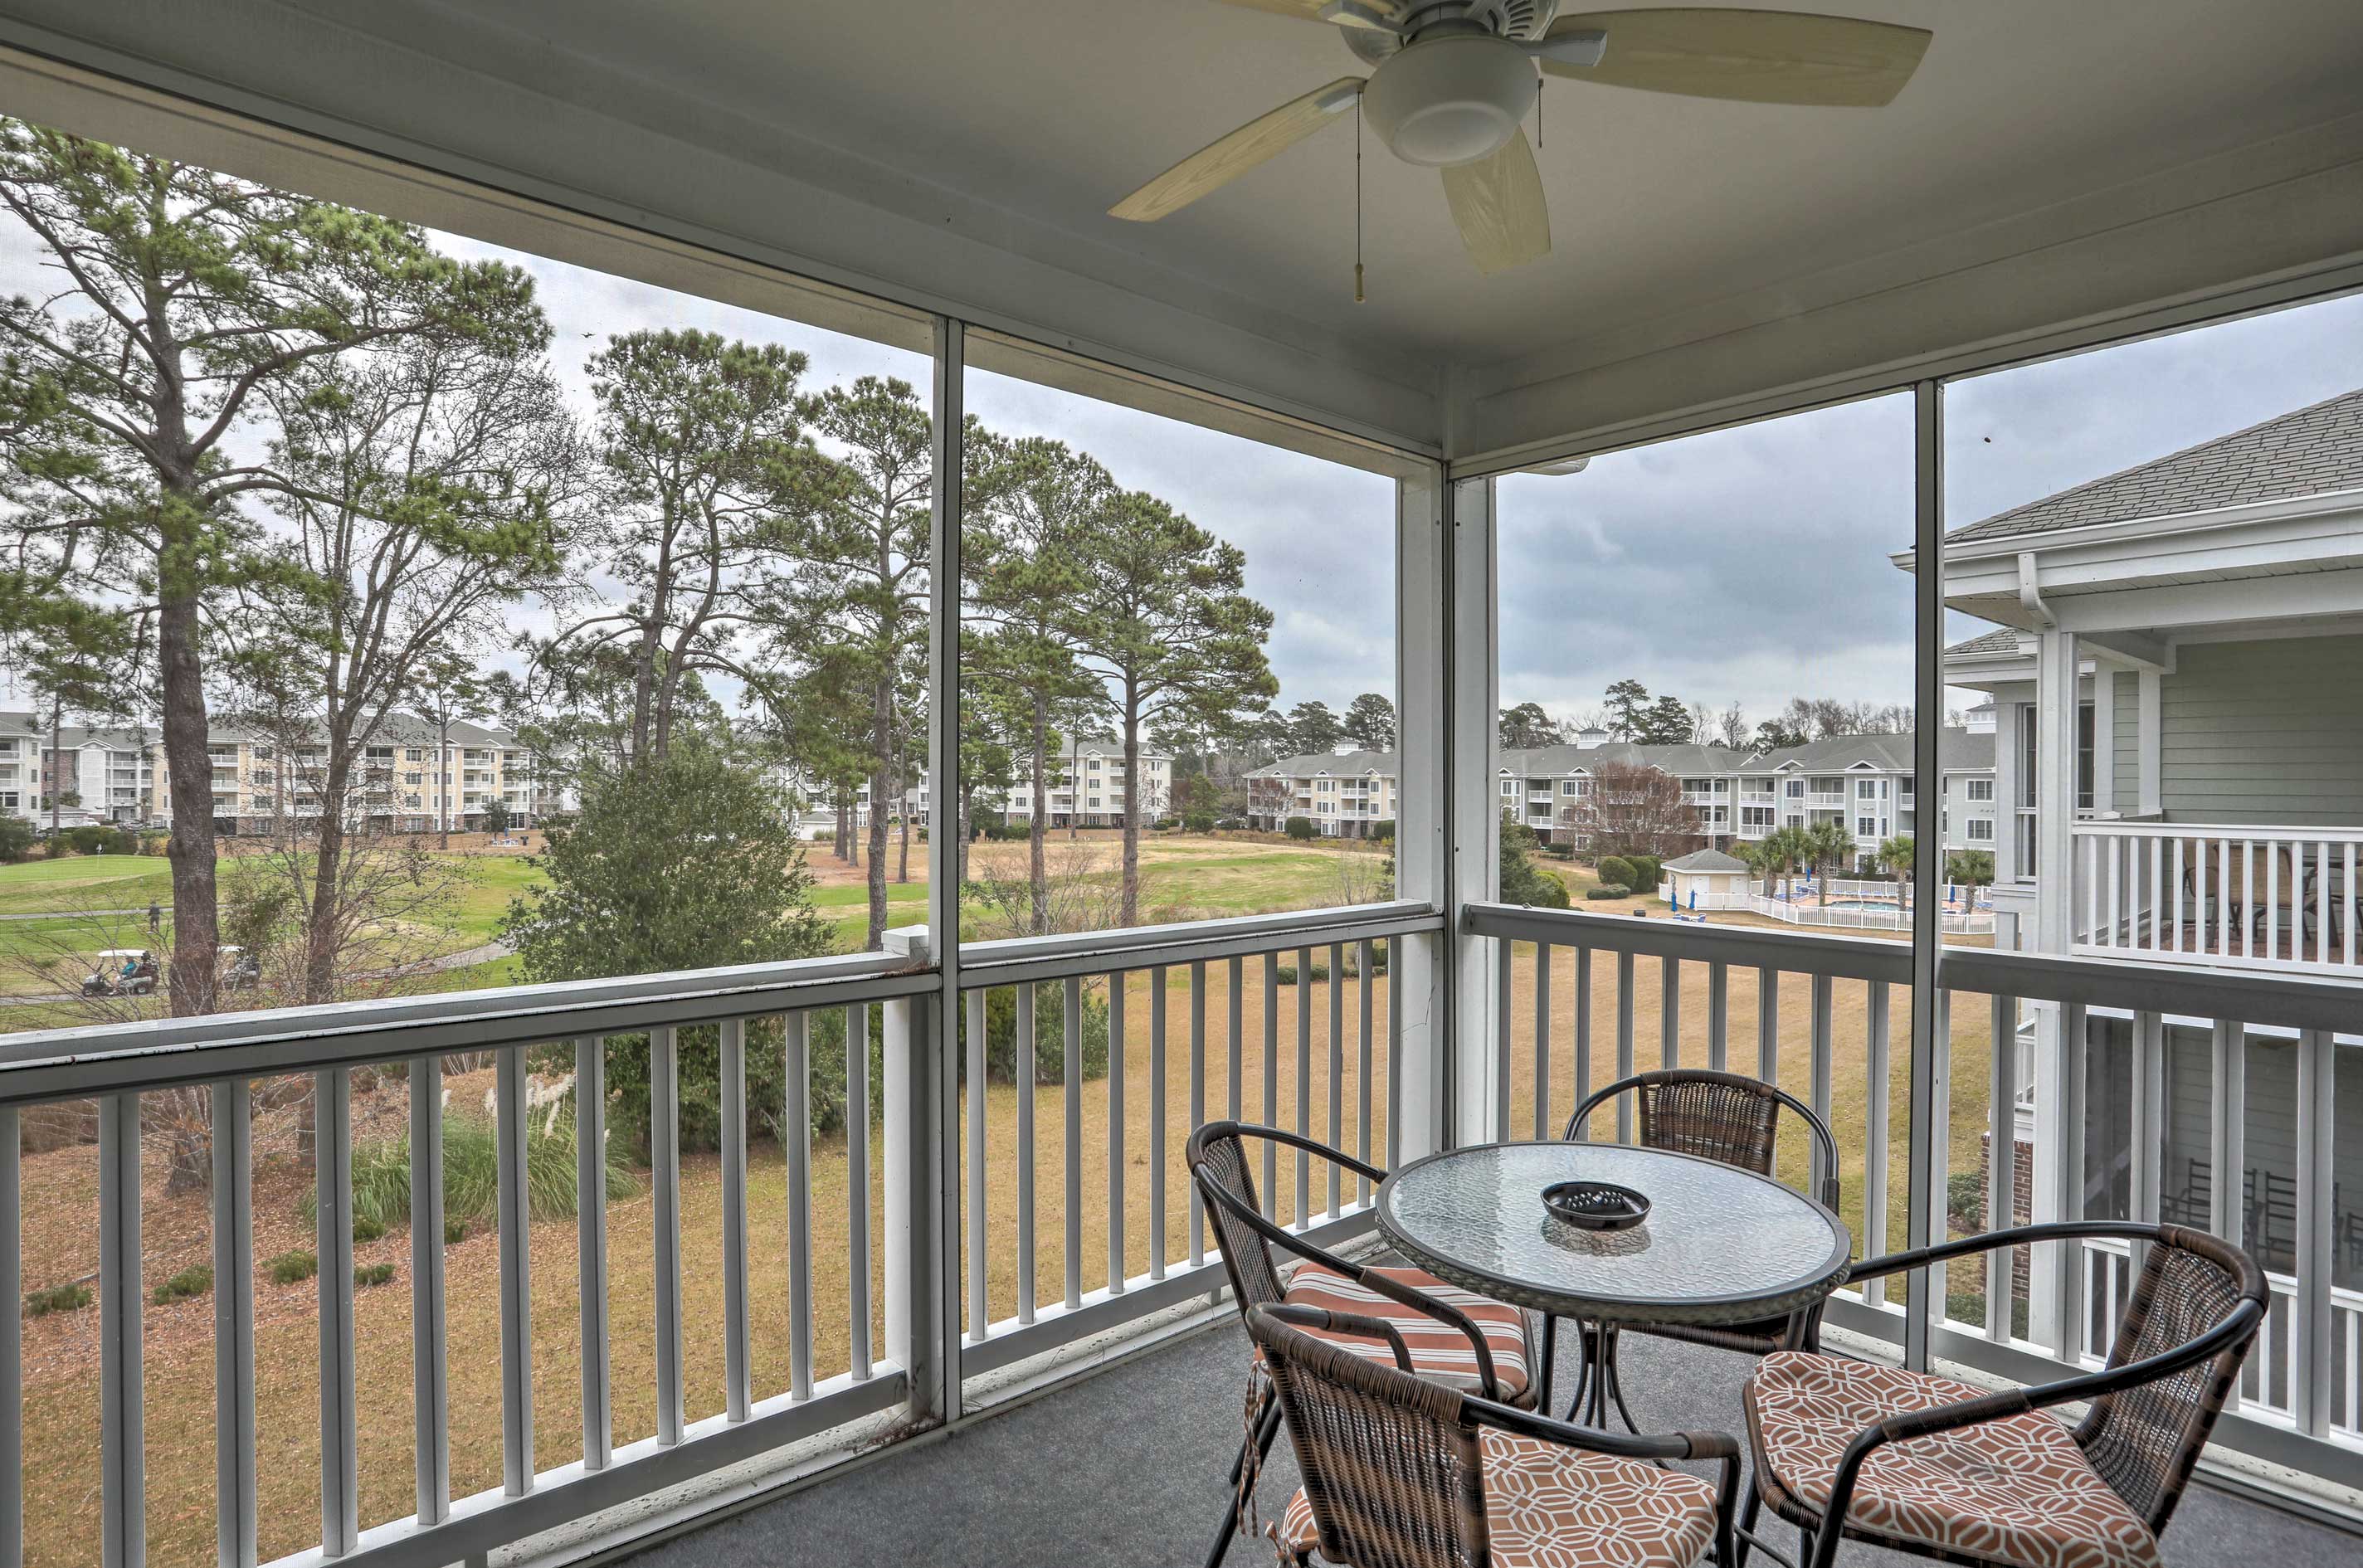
1363, 986
590, 1246
2321, 902
1234, 1036
1072, 1113
2002, 1160
979, 1228
1877, 1086
332, 1213
2066, 1090
2089, 930
857, 1180
1270, 1083
664, 1191
12, 1361
1395, 1052
2174, 863
1116, 1273
795, 1045
1582, 1065
737, 1375
1625, 987
1303, 1082
1818, 1092
1503, 958
1767, 1025
1542, 1040
1337, 1065
2116, 879
2273, 899
516, 1310
2156, 891
122, 1443
2247, 898
1669, 1012
2317, 1237
1026, 1086
1157, 1097
1197, 1101
1718, 1016
235, 1514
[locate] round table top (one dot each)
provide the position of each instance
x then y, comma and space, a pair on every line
1720, 1244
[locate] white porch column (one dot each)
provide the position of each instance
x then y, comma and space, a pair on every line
2056, 693
1423, 836
2147, 738
1474, 807
2104, 737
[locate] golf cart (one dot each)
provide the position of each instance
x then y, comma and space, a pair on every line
122, 972
241, 971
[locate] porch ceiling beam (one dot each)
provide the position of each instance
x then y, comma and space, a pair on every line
2130, 650
2238, 600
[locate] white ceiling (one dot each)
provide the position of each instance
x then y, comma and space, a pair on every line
1050, 111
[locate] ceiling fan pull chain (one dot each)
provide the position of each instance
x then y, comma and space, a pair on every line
1357, 200
1538, 114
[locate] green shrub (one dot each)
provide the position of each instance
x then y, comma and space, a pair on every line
1560, 852
1199, 821
1616, 869
1965, 1201
1302, 829
1384, 828
187, 1283
1049, 1036
1286, 973
1608, 890
291, 1268
471, 1176
67, 1297
367, 1274
15, 838
1646, 870
455, 1231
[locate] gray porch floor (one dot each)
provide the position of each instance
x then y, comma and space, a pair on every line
1126, 1467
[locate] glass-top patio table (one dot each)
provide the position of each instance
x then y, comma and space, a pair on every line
1719, 1245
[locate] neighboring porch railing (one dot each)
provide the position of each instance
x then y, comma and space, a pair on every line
1729, 998
2265, 898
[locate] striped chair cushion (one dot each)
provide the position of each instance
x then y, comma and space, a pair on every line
1438, 1349
1551, 1506
2015, 1490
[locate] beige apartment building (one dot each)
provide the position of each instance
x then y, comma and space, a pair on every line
1344, 794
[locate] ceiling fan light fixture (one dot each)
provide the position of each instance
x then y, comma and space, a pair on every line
1450, 100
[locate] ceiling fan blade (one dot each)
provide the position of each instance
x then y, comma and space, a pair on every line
1756, 57
1310, 10
1217, 163
1498, 204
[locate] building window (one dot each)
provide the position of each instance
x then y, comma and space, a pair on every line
1980, 830
1866, 827
1795, 790
1866, 789
2084, 725
1509, 786
1980, 789
2025, 790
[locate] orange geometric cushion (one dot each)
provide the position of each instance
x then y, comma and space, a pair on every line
1438, 1349
2016, 1489
1551, 1506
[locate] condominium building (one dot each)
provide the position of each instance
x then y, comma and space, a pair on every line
1345, 794
1086, 786
77, 774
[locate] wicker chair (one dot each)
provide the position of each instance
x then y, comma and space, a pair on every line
1401, 1472
1456, 1338
2008, 1485
1736, 1121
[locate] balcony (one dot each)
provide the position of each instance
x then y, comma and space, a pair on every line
2243, 895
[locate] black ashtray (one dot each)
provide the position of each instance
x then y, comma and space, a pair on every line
1595, 1206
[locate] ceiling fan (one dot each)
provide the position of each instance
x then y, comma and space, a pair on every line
1455, 79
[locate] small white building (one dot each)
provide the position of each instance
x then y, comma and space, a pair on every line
1705, 879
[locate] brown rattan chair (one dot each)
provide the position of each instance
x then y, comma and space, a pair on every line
2006, 1486
1401, 1472
1455, 1337
1735, 1121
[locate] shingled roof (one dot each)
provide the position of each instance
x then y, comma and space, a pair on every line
2308, 451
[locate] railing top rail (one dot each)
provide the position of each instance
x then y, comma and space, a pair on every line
1855, 958
2130, 828
2273, 1000
1010, 960
160, 1052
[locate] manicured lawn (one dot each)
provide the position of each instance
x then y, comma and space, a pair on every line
85, 881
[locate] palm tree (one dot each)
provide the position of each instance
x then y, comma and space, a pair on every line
1781, 851
1827, 843
1896, 857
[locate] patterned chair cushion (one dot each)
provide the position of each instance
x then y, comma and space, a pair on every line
1551, 1506
1438, 1349
2015, 1490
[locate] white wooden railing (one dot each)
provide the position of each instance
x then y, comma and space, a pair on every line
2256, 897
2303, 1389
901, 1129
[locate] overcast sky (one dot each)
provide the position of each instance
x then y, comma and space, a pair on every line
1743, 565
